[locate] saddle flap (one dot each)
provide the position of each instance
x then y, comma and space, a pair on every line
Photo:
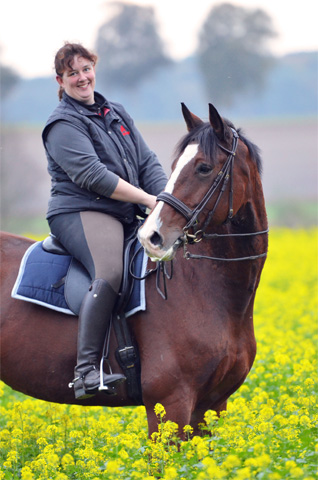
77, 283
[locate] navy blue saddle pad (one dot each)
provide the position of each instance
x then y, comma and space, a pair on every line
60, 282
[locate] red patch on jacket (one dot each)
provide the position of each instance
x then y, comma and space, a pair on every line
124, 131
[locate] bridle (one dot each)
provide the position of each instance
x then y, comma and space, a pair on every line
224, 176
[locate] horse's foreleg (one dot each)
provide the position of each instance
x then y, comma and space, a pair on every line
177, 407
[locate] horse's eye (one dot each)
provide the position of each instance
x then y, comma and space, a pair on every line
204, 169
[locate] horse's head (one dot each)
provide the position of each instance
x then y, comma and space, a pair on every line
212, 177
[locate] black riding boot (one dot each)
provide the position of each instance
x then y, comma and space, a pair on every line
94, 318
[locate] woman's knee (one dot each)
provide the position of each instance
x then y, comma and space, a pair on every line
112, 273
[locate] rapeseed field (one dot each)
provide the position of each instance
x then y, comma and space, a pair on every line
268, 431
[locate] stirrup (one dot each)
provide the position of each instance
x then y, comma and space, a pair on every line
82, 392
102, 387
110, 390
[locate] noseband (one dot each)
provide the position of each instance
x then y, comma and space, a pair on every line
223, 177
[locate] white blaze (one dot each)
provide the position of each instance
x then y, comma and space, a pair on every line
154, 223
189, 153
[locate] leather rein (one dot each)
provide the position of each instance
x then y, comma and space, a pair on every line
224, 176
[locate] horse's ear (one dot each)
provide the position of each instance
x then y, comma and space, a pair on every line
216, 122
191, 120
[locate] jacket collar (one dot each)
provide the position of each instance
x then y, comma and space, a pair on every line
82, 109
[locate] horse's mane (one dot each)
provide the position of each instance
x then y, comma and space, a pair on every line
208, 142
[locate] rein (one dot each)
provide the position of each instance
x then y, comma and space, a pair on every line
188, 255
161, 270
223, 177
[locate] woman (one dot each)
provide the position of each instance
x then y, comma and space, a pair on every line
101, 170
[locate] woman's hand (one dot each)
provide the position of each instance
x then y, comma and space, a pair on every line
152, 202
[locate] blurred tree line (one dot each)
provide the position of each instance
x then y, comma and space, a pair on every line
232, 49
8, 80
232, 53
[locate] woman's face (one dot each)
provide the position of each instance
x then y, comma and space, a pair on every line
79, 80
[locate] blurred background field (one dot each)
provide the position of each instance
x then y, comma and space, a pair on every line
289, 153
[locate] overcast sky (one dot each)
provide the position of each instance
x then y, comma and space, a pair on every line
31, 31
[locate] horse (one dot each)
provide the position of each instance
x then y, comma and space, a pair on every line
197, 345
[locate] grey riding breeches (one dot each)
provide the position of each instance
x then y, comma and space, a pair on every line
96, 240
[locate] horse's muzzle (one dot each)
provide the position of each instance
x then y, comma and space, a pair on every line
154, 247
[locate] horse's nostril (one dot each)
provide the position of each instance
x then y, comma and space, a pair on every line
156, 239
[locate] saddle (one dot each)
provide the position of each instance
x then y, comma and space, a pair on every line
77, 280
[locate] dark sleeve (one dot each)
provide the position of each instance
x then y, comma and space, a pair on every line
152, 177
72, 149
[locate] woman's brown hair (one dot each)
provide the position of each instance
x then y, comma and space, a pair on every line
65, 56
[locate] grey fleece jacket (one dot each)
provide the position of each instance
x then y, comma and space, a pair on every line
88, 149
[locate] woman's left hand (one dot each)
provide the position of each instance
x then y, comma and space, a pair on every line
152, 202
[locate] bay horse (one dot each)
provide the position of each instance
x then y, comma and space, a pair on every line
197, 346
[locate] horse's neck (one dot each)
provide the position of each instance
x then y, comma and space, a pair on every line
240, 277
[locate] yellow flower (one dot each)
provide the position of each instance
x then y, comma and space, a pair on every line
296, 472
42, 442
231, 462
211, 469
309, 382
305, 421
112, 466
123, 454
244, 389
170, 473
12, 458
210, 417
243, 474
188, 429
160, 410
67, 460
262, 461
26, 474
